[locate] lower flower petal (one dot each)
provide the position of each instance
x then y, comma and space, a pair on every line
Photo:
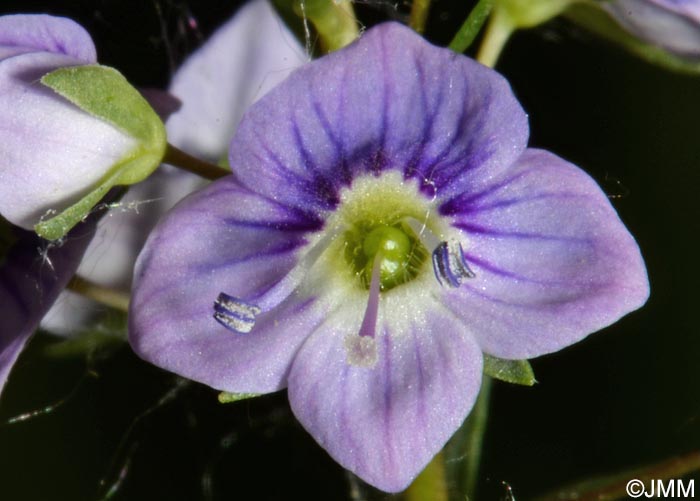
221, 239
30, 279
386, 422
553, 261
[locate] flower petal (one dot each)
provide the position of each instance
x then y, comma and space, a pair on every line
43, 33
30, 280
553, 261
387, 422
388, 101
672, 24
210, 245
244, 59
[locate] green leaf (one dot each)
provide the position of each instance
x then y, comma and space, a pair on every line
510, 371
228, 398
591, 16
105, 94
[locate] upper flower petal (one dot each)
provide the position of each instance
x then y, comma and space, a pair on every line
210, 245
385, 423
241, 62
388, 101
553, 261
671, 24
30, 279
42, 33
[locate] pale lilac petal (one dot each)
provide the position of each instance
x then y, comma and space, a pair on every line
553, 261
52, 153
389, 101
671, 24
30, 279
245, 58
43, 33
210, 245
387, 422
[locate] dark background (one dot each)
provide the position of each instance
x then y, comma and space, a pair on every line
625, 397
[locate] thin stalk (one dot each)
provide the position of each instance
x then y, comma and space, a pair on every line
472, 25
615, 486
104, 295
463, 451
178, 158
498, 32
479, 417
334, 20
419, 15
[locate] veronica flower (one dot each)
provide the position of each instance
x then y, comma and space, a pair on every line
671, 24
52, 153
384, 226
260, 52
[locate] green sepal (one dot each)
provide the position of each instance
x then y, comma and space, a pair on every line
531, 13
105, 94
510, 371
591, 16
228, 398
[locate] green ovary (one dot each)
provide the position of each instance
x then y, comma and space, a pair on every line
400, 252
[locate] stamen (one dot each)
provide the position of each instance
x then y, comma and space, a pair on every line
362, 348
450, 265
239, 316
234, 314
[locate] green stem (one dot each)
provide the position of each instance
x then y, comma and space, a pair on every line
498, 31
471, 26
464, 449
104, 295
431, 484
181, 160
419, 15
614, 486
334, 21
476, 432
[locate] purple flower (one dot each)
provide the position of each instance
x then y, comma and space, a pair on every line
51, 153
214, 92
384, 226
671, 24
31, 276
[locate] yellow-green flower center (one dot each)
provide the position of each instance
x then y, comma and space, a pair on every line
399, 250
382, 217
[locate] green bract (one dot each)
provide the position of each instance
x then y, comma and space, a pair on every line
228, 398
510, 371
105, 94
